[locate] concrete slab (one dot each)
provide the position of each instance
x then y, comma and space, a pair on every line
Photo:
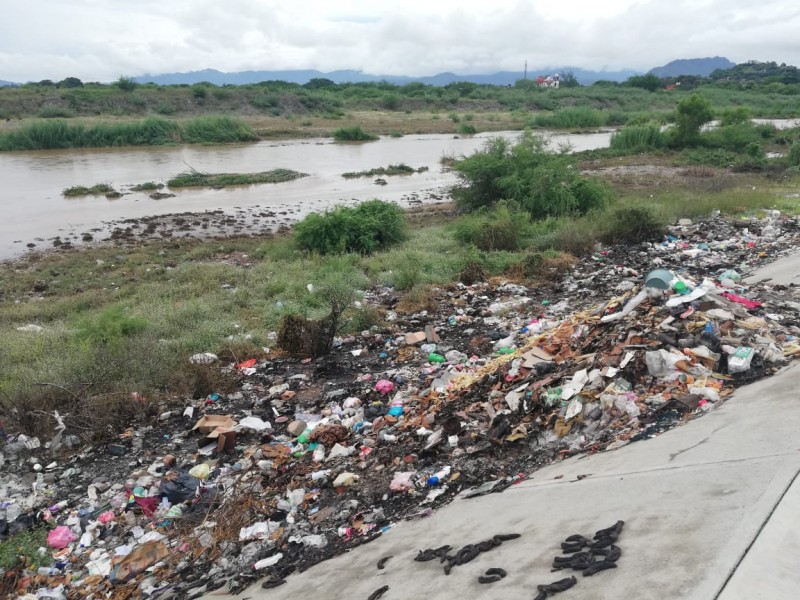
768, 570
694, 500
783, 271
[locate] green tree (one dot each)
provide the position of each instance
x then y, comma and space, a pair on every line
318, 83
648, 82
70, 82
126, 84
568, 80
692, 113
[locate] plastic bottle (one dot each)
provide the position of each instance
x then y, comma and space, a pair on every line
437, 478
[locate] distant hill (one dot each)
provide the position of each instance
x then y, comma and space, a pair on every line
583, 76
6, 83
702, 67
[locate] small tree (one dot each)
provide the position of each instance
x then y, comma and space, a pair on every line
70, 82
126, 84
648, 82
569, 80
692, 113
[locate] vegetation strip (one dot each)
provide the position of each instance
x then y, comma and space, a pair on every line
217, 180
153, 131
401, 169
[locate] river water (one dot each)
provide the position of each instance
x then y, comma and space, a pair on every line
33, 209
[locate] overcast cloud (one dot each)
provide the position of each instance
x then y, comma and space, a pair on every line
99, 40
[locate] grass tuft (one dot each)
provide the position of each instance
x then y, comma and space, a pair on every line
218, 180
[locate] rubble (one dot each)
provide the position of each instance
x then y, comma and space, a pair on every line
310, 458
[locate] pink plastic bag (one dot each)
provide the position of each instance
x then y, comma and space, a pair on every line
106, 517
60, 537
384, 386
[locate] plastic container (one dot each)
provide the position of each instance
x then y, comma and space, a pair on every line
438, 477
740, 360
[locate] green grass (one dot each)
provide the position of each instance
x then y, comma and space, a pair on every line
638, 138
99, 189
401, 169
127, 318
43, 135
353, 134
217, 180
55, 112
24, 544
579, 117
147, 186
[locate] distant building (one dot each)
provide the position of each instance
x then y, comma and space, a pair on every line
550, 81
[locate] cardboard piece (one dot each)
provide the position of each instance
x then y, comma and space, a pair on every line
534, 356
209, 423
415, 338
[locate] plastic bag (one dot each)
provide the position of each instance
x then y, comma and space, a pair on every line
60, 537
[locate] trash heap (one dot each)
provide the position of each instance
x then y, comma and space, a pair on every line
310, 458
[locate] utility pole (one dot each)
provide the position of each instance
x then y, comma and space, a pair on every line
526, 71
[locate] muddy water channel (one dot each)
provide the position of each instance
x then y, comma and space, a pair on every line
33, 210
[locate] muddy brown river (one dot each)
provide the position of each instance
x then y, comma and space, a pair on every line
32, 209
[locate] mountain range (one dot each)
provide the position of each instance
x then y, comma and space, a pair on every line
585, 77
692, 66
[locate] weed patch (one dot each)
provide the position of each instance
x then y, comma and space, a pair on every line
219, 180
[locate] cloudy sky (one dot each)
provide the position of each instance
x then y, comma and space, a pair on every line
103, 39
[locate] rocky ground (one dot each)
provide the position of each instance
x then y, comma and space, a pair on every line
311, 457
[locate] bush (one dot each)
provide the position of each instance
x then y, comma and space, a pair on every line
391, 101
632, 225
353, 134
126, 84
579, 117
466, 129
542, 183
110, 327
638, 138
364, 229
499, 228
692, 113
794, 155
55, 112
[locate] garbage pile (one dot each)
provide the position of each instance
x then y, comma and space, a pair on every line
310, 458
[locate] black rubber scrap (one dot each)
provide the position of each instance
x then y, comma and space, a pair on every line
382, 562
555, 587
596, 567
272, 583
492, 575
378, 593
615, 529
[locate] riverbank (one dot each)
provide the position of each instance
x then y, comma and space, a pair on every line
237, 287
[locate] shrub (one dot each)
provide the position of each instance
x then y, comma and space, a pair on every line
579, 117
391, 101
353, 134
110, 327
466, 129
638, 138
500, 228
199, 92
794, 155
164, 109
55, 112
631, 225
217, 129
126, 84
735, 116
692, 113
364, 229
542, 183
